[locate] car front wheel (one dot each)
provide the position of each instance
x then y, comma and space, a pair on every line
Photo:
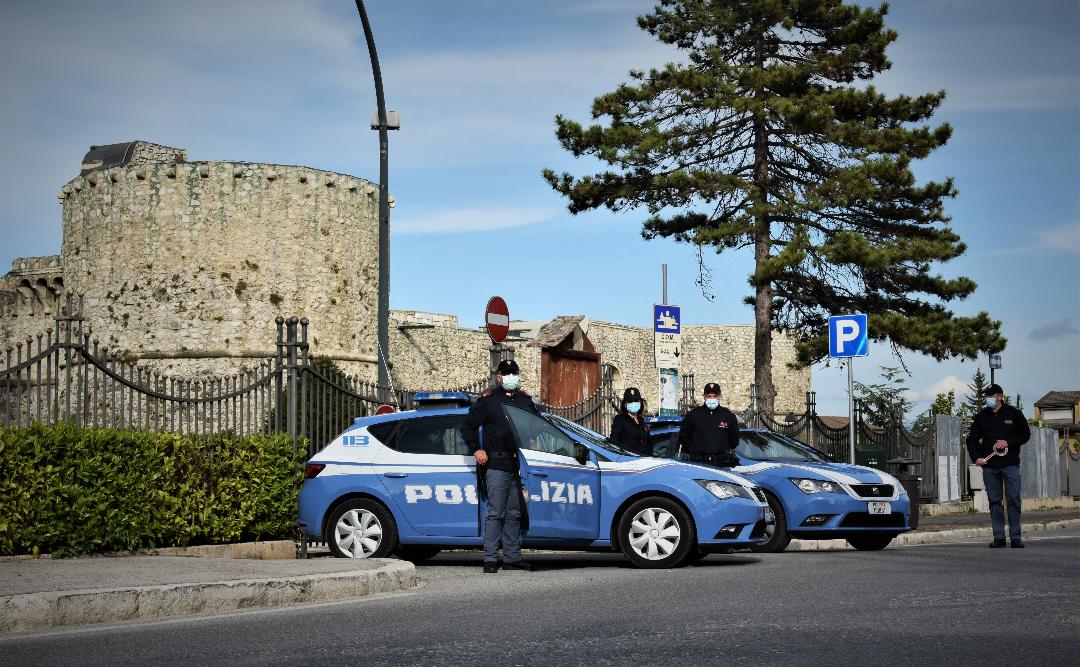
777, 532
870, 542
361, 528
656, 533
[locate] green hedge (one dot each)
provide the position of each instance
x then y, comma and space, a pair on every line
66, 490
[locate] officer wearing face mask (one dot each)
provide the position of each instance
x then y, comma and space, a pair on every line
628, 428
997, 433
498, 457
710, 432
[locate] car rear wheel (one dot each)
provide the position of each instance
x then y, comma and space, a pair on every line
777, 533
870, 542
361, 528
656, 533
417, 553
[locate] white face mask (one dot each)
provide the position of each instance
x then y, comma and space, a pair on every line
510, 382
991, 402
712, 403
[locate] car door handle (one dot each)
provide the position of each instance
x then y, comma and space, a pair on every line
395, 475
538, 474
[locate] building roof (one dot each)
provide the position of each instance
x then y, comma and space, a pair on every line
1059, 399
104, 157
556, 331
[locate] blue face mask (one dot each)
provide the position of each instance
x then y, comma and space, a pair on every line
634, 407
510, 382
712, 403
991, 402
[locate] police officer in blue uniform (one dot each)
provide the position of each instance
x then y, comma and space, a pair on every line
498, 458
710, 432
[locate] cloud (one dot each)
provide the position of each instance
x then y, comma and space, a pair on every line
1057, 239
1051, 330
471, 219
942, 386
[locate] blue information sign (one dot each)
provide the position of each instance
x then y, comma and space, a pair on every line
848, 336
666, 319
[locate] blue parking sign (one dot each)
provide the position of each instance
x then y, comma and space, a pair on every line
848, 336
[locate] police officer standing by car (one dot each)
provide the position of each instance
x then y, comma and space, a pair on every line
628, 428
993, 444
498, 459
710, 432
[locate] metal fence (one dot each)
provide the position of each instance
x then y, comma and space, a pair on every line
65, 374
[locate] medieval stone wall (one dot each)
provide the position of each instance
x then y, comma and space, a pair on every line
195, 260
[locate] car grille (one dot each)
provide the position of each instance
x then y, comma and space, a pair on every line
866, 520
759, 494
873, 490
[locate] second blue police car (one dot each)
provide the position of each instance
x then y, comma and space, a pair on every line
405, 484
811, 496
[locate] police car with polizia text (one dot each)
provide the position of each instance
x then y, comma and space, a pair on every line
811, 496
405, 484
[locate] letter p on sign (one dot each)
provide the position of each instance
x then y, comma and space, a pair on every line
848, 336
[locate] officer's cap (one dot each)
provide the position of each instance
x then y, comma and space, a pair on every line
508, 367
631, 394
993, 390
711, 388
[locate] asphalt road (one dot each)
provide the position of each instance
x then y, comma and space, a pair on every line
958, 602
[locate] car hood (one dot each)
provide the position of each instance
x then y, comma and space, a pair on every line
844, 473
647, 464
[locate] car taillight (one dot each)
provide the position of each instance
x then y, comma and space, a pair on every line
313, 469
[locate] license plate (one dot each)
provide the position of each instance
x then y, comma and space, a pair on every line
879, 508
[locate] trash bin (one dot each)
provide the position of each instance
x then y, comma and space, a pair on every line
911, 482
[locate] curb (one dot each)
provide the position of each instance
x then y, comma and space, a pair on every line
935, 537
41, 611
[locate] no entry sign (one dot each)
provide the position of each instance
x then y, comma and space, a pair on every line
497, 317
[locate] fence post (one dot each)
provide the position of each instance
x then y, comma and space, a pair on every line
277, 370
291, 344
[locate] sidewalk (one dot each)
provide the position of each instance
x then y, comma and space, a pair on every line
37, 594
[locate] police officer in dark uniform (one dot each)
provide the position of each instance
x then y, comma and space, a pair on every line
497, 457
710, 432
993, 444
628, 428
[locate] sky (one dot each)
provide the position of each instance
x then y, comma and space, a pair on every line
478, 84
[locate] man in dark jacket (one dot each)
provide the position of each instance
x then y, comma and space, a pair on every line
498, 459
993, 444
710, 432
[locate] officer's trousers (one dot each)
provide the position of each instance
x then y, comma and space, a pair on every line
503, 524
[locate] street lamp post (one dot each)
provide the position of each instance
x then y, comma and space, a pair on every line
383, 308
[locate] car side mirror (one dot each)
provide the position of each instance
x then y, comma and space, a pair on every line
581, 454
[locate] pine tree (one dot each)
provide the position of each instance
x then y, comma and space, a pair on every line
974, 402
885, 403
763, 139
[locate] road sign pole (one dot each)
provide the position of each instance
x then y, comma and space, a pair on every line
851, 408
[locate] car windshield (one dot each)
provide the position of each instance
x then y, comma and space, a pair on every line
770, 447
588, 435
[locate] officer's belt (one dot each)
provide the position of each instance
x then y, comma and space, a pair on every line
704, 458
503, 455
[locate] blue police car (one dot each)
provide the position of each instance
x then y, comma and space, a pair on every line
405, 484
811, 496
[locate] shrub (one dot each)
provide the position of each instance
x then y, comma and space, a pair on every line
67, 490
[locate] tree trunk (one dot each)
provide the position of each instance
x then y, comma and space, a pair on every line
763, 293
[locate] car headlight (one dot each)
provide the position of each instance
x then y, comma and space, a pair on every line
809, 486
724, 490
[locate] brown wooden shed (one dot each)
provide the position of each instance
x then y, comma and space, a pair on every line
569, 364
